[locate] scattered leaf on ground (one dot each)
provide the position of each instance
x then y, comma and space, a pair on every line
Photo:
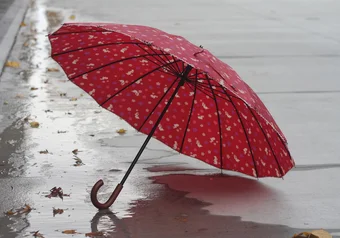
57, 192
81, 95
23, 24
73, 99
121, 131
5, 103
34, 88
34, 124
61, 132
12, 64
91, 135
57, 211
24, 210
70, 232
97, 112
10, 212
72, 17
37, 234
48, 110
75, 151
62, 94
19, 96
78, 161
44, 152
52, 70
26, 44
63, 80
94, 234
46, 81
68, 113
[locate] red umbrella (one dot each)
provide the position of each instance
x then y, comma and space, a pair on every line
180, 94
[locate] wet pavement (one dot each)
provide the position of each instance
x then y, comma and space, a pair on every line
288, 52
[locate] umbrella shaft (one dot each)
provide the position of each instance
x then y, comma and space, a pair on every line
181, 83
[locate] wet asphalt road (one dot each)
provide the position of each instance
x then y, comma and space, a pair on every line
288, 53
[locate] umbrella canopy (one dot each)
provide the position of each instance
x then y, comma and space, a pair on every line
179, 93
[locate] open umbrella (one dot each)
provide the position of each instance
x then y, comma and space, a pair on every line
174, 91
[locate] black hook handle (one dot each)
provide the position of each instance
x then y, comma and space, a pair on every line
110, 201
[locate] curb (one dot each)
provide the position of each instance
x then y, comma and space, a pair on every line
19, 8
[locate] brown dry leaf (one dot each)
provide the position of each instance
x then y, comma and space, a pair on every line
26, 44
34, 124
72, 17
34, 88
43, 152
26, 209
23, 24
121, 131
73, 99
10, 212
70, 232
94, 234
5, 103
52, 70
322, 233
19, 96
37, 234
78, 162
75, 151
57, 211
12, 64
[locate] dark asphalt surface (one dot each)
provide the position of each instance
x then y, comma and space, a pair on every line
5, 20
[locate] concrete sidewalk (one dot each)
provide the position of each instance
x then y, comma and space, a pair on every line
288, 51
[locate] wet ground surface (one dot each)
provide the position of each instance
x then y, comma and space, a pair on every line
293, 67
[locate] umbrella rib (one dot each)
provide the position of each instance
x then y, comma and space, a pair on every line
244, 130
144, 75
105, 65
265, 135
219, 122
160, 58
140, 128
190, 114
205, 91
73, 32
94, 46
179, 70
162, 63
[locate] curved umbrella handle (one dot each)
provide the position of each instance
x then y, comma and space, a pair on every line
110, 201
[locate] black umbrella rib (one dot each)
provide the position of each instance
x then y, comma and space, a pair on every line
206, 90
159, 61
105, 65
219, 123
189, 119
244, 130
144, 75
140, 128
177, 67
265, 135
97, 46
160, 58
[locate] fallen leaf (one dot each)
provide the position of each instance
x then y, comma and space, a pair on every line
62, 94
121, 131
52, 70
72, 17
19, 96
10, 212
34, 124
43, 152
81, 95
91, 135
23, 24
46, 81
57, 211
48, 110
37, 234
97, 112
69, 232
94, 234
34, 88
56, 192
12, 64
75, 151
61, 132
26, 44
5, 103
26, 209
73, 99
78, 162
